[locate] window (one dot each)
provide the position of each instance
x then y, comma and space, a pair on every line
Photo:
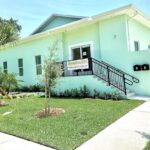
148, 46
38, 65
5, 67
20, 66
136, 46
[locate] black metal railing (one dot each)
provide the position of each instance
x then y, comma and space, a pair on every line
106, 72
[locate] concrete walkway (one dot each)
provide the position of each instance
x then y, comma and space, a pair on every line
8, 142
131, 132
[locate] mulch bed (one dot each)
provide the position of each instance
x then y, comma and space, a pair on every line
3, 103
52, 112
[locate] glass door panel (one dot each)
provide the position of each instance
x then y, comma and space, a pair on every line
86, 53
76, 54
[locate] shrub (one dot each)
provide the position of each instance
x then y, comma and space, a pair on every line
36, 88
96, 94
30, 88
75, 93
84, 91
67, 93
54, 94
116, 95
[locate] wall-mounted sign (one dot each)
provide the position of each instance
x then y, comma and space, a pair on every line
84, 53
78, 64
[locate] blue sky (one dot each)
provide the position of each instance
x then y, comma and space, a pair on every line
31, 13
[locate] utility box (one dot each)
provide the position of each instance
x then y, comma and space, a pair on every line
137, 67
145, 67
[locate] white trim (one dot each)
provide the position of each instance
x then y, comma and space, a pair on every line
80, 45
128, 34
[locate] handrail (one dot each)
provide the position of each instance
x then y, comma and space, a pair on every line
133, 78
123, 77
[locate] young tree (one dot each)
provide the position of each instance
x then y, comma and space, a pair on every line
52, 72
9, 30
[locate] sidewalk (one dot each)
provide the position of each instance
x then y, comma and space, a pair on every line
131, 132
8, 142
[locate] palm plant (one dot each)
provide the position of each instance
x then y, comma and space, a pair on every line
8, 82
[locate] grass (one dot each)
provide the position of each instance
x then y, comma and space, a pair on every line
147, 146
82, 120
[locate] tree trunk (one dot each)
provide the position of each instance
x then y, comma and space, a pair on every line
49, 96
4, 93
46, 90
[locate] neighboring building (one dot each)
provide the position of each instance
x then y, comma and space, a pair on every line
120, 37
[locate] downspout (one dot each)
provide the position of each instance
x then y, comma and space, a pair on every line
128, 35
63, 46
99, 41
128, 29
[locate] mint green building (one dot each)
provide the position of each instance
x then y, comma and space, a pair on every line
108, 50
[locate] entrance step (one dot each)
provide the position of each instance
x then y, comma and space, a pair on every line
130, 94
136, 97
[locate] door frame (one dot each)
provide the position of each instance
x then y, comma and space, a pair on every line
90, 43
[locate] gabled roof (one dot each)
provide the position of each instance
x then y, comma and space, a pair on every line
51, 18
129, 10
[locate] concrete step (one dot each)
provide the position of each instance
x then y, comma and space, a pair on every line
136, 97
130, 94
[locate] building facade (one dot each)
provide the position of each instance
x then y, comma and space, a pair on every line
118, 41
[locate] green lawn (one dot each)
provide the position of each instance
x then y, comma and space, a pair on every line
147, 146
82, 120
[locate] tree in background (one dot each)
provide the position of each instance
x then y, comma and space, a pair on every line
52, 72
9, 30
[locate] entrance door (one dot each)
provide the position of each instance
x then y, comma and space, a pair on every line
81, 52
